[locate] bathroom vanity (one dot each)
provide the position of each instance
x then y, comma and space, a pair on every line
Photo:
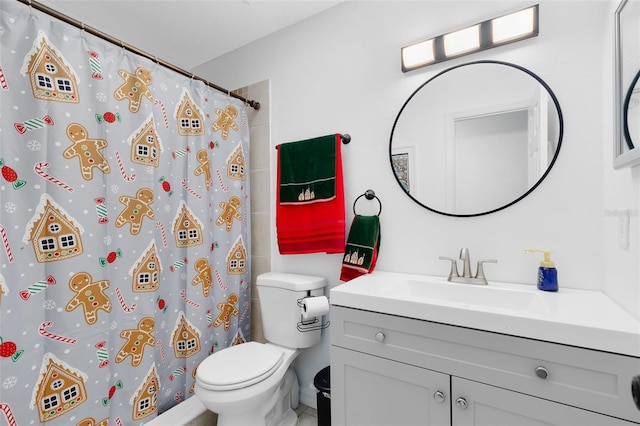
414, 350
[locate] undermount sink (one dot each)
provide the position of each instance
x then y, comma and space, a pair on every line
581, 318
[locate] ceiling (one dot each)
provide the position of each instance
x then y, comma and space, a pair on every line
210, 28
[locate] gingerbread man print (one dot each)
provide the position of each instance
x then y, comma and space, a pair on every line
135, 86
204, 168
90, 421
226, 311
89, 295
87, 150
204, 275
225, 120
137, 339
229, 212
136, 208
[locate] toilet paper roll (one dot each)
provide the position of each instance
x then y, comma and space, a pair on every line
314, 306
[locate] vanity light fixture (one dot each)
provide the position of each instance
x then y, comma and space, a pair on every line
504, 29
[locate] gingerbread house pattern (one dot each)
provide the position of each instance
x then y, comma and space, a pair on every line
122, 230
60, 389
189, 116
144, 401
54, 235
146, 271
146, 145
185, 338
237, 258
239, 339
186, 228
50, 75
236, 163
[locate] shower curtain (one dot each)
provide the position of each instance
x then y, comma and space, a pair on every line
124, 218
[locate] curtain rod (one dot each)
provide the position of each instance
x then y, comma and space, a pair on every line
67, 19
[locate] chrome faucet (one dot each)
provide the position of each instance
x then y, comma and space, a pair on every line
467, 277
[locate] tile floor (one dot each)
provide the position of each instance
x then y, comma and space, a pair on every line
307, 416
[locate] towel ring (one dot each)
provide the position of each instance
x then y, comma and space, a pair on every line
369, 194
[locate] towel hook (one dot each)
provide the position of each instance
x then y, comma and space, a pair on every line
369, 194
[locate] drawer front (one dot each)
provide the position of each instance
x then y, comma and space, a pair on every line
584, 378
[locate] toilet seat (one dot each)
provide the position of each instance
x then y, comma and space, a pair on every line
239, 366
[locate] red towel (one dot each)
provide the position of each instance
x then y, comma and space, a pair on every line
316, 227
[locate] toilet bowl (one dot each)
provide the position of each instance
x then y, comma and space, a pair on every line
254, 383
244, 385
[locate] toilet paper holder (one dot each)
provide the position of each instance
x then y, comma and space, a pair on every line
310, 324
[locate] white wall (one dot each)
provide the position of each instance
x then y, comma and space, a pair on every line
340, 72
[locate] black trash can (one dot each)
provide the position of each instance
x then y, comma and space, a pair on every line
322, 382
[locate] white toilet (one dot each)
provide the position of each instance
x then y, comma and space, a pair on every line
254, 383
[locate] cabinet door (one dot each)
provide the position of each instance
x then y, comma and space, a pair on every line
368, 390
477, 404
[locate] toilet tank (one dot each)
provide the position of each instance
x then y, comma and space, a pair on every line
279, 294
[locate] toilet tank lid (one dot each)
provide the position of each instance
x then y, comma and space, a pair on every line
293, 282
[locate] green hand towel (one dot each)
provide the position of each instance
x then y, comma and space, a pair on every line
361, 251
308, 170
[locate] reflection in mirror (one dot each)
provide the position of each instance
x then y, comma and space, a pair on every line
627, 88
476, 138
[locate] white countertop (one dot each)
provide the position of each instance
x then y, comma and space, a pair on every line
582, 318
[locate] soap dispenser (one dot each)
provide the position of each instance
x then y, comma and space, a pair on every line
547, 273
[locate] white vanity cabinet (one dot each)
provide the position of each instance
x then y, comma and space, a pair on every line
392, 370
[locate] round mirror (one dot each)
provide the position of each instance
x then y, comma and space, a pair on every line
476, 138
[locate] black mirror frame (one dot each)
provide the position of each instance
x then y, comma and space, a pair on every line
534, 186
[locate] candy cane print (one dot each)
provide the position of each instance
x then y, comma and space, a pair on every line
189, 190
52, 336
6, 409
163, 356
160, 226
122, 171
5, 243
3, 80
183, 294
43, 164
118, 422
164, 112
123, 305
245, 310
220, 283
224, 187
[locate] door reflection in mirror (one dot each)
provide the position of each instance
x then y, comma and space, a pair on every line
482, 135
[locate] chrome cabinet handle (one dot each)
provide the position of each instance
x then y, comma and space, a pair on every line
635, 390
439, 397
380, 336
462, 403
542, 372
